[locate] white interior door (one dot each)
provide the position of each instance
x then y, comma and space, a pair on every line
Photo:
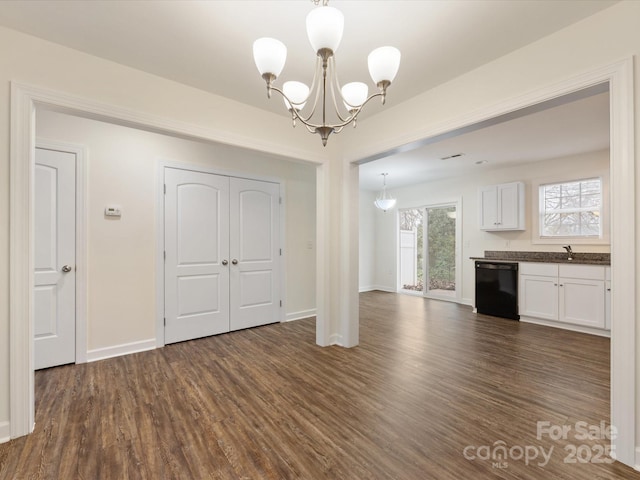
255, 253
197, 252
55, 257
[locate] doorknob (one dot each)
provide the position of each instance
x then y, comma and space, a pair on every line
234, 261
67, 268
225, 263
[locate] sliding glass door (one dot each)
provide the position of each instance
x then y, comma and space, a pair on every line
428, 250
440, 233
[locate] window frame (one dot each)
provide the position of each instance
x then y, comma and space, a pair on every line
536, 213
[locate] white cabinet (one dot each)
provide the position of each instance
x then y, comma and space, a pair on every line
502, 207
539, 293
571, 294
607, 298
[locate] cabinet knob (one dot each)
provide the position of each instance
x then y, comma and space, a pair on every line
608, 289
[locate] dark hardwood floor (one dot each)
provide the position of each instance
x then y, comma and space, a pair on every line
430, 392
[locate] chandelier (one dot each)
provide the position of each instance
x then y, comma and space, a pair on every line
384, 201
324, 29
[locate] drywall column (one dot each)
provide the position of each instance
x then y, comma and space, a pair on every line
337, 265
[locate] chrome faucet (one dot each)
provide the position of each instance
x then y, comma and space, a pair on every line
569, 251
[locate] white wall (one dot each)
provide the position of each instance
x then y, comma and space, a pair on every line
475, 241
367, 260
122, 169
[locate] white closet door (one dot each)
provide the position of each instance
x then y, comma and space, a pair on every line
255, 253
55, 257
197, 248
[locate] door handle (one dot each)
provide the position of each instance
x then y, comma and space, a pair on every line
234, 261
67, 268
225, 263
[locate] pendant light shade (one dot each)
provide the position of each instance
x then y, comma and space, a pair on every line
383, 64
354, 94
297, 92
324, 28
383, 201
270, 55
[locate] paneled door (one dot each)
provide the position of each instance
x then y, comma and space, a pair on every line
197, 252
55, 258
222, 254
255, 253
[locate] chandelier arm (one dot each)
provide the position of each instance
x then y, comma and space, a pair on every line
357, 112
295, 112
336, 84
337, 127
314, 85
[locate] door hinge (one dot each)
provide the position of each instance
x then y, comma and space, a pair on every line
280, 302
280, 252
165, 188
165, 255
165, 321
280, 200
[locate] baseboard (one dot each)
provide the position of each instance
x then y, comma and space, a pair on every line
567, 326
290, 317
380, 288
5, 432
335, 339
637, 465
466, 301
119, 350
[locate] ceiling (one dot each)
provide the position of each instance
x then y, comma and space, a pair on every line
571, 128
208, 45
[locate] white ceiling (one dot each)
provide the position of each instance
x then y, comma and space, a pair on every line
208, 45
572, 128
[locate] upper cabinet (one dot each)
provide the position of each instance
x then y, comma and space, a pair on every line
502, 207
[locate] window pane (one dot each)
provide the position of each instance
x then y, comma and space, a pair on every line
571, 209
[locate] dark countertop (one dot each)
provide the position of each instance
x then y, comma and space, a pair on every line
546, 257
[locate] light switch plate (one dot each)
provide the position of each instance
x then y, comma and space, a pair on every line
112, 211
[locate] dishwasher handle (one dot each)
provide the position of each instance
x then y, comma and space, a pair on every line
496, 266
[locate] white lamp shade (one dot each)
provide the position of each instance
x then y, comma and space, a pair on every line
297, 92
385, 204
383, 64
324, 28
269, 55
354, 94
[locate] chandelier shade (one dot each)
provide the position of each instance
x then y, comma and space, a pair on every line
296, 92
270, 55
311, 105
354, 94
325, 26
384, 63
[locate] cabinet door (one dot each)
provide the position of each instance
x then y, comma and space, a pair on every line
508, 206
488, 208
607, 305
582, 302
538, 297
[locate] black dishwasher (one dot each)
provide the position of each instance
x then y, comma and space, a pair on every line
497, 289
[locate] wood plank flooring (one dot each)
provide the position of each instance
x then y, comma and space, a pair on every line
429, 380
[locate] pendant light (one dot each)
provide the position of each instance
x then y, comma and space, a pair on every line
383, 201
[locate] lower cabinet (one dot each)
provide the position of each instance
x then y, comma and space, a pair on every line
570, 294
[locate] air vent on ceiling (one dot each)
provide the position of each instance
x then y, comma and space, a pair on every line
455, 155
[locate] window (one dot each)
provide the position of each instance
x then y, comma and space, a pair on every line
571, 209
